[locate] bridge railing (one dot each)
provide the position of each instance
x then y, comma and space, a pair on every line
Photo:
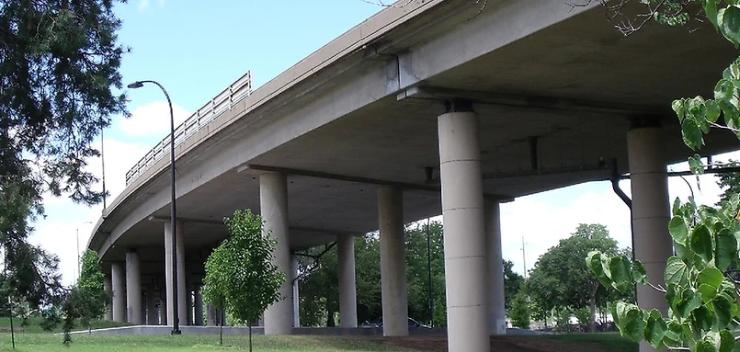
221, 103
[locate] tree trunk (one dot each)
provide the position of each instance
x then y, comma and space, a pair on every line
250, 337
221, 330
592, 306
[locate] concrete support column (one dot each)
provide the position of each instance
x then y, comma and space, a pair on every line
198, 306
466, 261
496, 298
182, 304
133, 289
119, 292
152, 314
392, 263
347, 285
274, 211
163, 307
650, 212
107, 287
211, 315
296, 292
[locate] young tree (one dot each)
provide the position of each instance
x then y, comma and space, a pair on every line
513, 283
58, 63
240, 274
91, 288
561, 279
520, 311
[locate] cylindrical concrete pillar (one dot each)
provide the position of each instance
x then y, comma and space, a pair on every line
119, 292
392, 262
182, 306
152, 313
650, 212
496, 301
198, 306
296, 292
108, 288
274, 211
163, 306
133, 289
211, 315
347, 285
466, 262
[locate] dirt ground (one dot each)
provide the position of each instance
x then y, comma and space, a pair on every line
503, 344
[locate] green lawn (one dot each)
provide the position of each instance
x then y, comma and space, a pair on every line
38, 342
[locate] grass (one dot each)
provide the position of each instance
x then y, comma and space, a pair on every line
610, 341
39, 342
33, 325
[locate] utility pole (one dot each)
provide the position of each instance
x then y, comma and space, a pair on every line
524, 258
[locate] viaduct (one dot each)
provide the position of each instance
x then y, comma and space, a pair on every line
428, 107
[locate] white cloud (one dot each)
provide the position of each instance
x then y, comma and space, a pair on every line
145, 5
151, 119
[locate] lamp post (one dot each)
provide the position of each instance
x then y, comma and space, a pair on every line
173, 208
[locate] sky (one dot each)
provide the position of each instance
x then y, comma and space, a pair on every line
197, 48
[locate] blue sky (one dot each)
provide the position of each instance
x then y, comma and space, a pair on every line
197, 48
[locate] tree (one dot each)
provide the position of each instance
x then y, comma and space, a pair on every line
91, 289
425, 260
240, 273
520, 311
729, 182
561, 279
513, 283
700, 278
58, 63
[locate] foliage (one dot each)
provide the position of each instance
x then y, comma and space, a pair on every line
729, 182
419, 261
58, 63
513, 283
560, 278
240, 274
520, 311
91, 288
700, 280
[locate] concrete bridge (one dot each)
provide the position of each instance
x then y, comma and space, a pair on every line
428, 107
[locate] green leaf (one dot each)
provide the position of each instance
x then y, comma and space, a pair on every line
710, 276
726, 249
710, 10
675, 271
727, 341
696, 165
678, 229
655, 328
707, 292
690, 301
692, 135
631, 323
621, 270
722, 311
679, 107
638, 272
702, 319
728, 20
712, 111
705, 346
700, 241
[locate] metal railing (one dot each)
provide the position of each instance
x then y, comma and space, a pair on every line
223, 102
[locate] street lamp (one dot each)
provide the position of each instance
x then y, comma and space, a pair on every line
173, 208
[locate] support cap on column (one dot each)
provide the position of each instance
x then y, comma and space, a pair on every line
458, 105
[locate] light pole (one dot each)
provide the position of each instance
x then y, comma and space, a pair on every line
173, 208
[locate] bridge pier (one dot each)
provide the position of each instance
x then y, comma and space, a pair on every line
119, 292
274, 211
496, 297
296, 291
169, 258
650, 212
198, 321
466, 260
133, 289
347, 284
392, 262
107, 287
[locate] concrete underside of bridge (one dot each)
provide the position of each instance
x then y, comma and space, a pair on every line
550, 92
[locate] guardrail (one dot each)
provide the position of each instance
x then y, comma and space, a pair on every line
223, 102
